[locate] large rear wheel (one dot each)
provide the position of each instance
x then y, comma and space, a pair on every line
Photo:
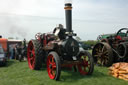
102, 54
34, 54
53, 66
87, 65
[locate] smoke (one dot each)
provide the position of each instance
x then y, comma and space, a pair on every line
17, 30
13, 26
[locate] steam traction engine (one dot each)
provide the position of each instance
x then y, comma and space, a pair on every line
113, 49
59, 49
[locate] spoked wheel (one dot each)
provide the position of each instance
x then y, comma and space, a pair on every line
53, 66
34, 55
86, 67
103, 54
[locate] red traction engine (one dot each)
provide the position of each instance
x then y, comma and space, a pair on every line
59, 49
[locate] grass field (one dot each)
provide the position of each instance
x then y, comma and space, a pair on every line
18, 73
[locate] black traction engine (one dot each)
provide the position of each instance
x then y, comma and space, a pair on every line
59, 49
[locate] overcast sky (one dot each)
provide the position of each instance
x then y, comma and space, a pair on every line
24, 18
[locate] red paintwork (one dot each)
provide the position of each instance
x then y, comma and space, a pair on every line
45, 41
31, 55
84, 66
51, 70
118, 37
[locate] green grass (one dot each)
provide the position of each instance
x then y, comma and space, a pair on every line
18, 73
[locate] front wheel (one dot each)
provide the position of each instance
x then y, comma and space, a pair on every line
53, 65
87, 65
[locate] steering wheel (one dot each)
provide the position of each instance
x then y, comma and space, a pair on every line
118, 36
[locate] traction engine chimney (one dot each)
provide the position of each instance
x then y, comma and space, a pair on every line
68, 14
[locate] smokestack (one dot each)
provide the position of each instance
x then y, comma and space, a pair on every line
68, 14
0, 36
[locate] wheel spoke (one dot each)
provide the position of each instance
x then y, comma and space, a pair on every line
105, 52
54, 65
106, 61
30, 51
99, 60
31, 58
100, 48
86, 63
106, 57
50, 71
84, 68
53, 72
52, 59
49, 61
97, 49
102, 61
103, 48
33, 52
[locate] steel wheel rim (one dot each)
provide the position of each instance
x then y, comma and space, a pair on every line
31, 55
101, 54
51, 67
85, 65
